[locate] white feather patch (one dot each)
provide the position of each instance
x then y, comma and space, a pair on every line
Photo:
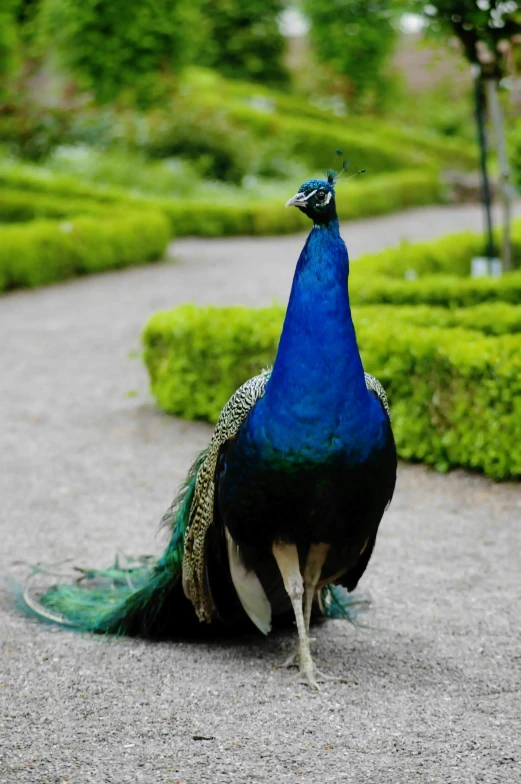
249, 589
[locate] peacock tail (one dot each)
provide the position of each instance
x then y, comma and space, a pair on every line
131, 598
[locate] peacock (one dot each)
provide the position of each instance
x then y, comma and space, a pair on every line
278, 517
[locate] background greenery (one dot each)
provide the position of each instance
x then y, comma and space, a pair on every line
124, 124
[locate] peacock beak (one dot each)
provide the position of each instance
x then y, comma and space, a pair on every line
298, 199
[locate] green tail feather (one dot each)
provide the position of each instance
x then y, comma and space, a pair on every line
131, 599
338, 603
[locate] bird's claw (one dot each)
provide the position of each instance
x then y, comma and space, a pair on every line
312, 676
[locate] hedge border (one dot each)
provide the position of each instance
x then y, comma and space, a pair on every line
455, 394
374, 196
44, 252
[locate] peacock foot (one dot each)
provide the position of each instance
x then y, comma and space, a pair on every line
308, 673
313, 676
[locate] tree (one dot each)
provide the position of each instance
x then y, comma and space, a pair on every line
486, 30
246, 40
116, 47
356, 38
480, 25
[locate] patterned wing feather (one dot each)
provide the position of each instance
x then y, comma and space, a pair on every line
201, 513
373, 385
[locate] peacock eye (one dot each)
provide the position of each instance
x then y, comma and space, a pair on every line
320, 196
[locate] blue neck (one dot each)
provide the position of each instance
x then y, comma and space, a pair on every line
316, 397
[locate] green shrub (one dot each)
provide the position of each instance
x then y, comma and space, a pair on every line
455, 394
246, 40
44, 252
375, 196
451, 152
443, 290
38, 179
489, 318
116, 51
309, 140
449, 255
214, 218
368, 142
18, 206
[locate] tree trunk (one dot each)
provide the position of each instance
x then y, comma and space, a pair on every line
490, 251
496, 115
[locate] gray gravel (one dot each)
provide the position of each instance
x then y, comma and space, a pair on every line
89, 465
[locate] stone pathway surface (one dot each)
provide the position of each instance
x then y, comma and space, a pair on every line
88, 465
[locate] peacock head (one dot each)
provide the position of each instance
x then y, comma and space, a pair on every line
316, 199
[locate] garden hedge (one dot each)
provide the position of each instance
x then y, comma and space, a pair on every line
448, 255
19, 206
44, 252
375, 145
443, 290
489, 318
374, 196
49, 196
38, 179
205, 85
455, 394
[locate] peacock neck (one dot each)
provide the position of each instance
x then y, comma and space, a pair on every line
317, 387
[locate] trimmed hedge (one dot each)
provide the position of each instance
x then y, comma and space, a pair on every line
377, 196
18, 206
455, 394
308, 140
443, 290
38, 179
47, 252
46, 197
205, 86
375, 144
489, 318
449, 255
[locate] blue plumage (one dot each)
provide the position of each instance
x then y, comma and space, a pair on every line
318, 379
280, 514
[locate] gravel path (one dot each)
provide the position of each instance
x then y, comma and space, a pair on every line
88, 466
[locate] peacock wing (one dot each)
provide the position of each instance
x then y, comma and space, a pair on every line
373, 385
201, 516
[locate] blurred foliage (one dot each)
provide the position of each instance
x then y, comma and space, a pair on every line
9, 43
122, 48
245, 40
31, 129
483, 25
132, 51
219, 148
355, 39
223, 130
199, 207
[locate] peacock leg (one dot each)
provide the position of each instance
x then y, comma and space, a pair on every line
315, 561
286, 556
